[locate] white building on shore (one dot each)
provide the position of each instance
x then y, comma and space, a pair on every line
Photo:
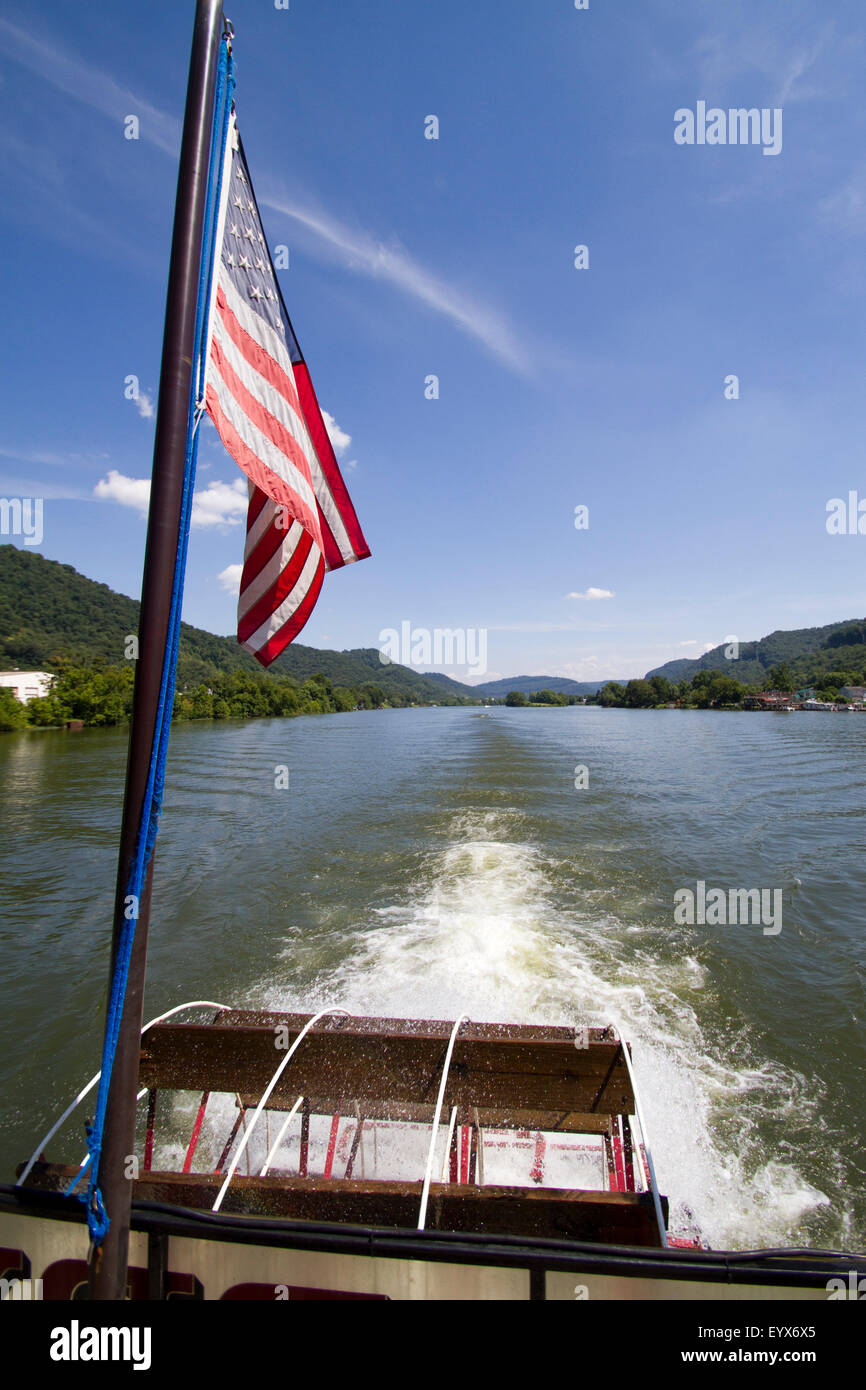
27, 685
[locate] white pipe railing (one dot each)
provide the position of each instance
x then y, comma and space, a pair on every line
323, 1013
654, 1187
425, 1193
195, 1004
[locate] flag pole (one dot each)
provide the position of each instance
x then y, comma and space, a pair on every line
108, 1264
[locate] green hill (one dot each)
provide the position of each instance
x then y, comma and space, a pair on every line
530, 684
808, 652
53, 617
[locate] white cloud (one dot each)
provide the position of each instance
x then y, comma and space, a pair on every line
339, 438
230, 578
129, 492
220, 504
594, 594
144, 405
704, 646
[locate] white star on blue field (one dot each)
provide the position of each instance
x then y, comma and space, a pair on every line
696, 384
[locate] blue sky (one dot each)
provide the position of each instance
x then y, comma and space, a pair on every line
410, 257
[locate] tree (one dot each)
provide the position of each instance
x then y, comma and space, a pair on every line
13, 714
612, 694
724, 690
516, 697
780, 678
663, 691
639, 694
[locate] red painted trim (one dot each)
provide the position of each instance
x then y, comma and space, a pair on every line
537, 1173
332, 1144
196, 1131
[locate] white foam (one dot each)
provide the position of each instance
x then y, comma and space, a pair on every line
481, 934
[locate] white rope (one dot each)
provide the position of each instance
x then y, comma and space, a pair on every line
646, 1144
324, 1013
425, 1193
279, 1139
195, 1004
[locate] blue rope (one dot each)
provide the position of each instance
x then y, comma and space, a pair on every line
97, 1217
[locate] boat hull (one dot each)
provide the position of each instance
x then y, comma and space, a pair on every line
179, 1254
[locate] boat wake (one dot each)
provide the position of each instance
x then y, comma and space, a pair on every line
487, 931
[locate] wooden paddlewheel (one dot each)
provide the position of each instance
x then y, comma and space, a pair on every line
469, 1127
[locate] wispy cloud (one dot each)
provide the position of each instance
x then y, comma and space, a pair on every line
761, 47
593, 594
845, 210
37, 487
70, 74
49, 458
357, 250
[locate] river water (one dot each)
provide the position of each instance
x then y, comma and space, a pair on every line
429, 863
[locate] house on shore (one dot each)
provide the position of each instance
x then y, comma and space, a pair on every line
27, 685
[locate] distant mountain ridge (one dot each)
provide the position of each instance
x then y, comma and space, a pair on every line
807, 651
50, 616
561, 685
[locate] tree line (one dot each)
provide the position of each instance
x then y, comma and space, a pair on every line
717, 690
101, 698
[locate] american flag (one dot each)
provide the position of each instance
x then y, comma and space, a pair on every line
259, 395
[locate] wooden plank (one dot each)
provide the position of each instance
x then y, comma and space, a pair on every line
416, 1027
555, 1121
401, 1064
617, 1218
